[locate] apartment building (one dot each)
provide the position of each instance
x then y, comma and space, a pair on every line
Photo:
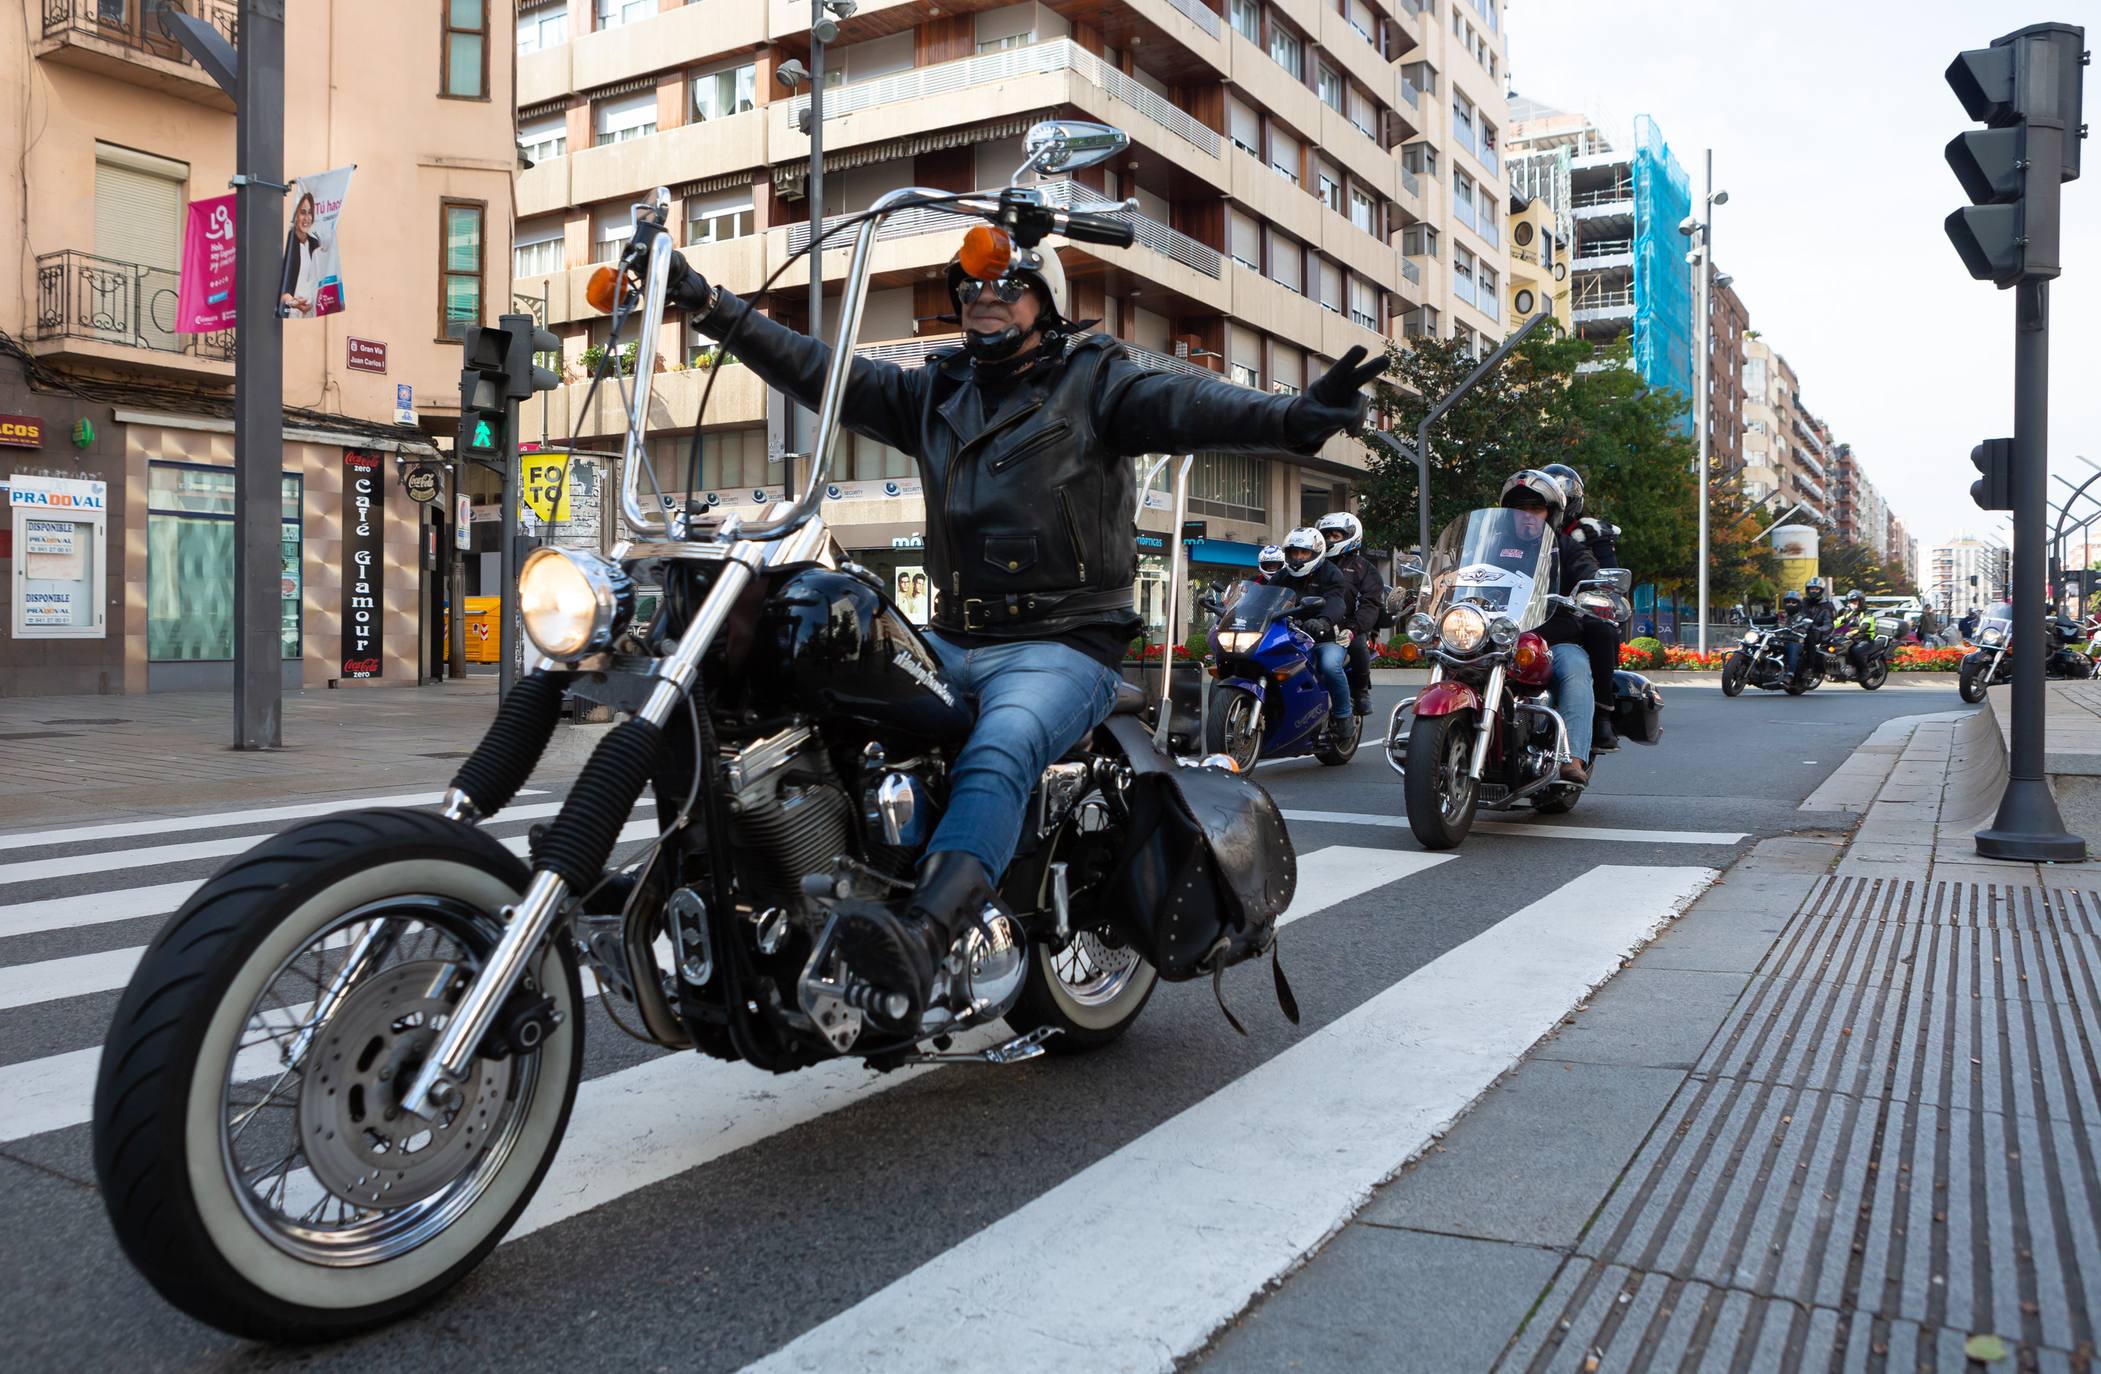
1728, 319
1540, 244
1628, 277
118, 436
1310, 175
1783, 456
1969, 573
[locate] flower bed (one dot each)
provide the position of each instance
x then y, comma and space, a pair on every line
1917, 658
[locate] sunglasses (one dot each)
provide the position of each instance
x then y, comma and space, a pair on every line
1006, 289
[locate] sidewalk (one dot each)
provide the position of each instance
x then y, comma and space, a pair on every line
2072, 757
107, 757
1840, 1115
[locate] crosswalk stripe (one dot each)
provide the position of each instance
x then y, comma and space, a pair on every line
217, 820
1306, 1136
54, 980
73, 865
55, 1092
158, 899
1545, 829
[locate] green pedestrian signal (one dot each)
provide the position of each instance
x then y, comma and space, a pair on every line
484, 437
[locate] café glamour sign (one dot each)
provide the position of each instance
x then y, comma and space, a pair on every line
363, 559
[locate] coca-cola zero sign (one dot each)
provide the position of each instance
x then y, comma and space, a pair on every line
363, 559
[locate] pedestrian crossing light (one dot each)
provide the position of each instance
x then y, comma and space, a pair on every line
2025, 90
1994, 490
484, 436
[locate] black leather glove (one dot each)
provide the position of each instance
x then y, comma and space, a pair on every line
1316, 626
1343, 384
687, 289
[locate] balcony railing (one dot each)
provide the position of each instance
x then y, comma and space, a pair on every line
135, 24
1150, 233
1199, 14
1611, 195
1604, 248
1410, 272
102, 300
1411, 182
1410, 94
1062, 54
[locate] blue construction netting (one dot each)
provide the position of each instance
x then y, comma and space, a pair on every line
1663, 307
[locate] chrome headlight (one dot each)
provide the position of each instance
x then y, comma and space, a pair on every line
1751, 638
1238, 641
1993, 635
1421, 628
572, 601
1464, 629
1503, 632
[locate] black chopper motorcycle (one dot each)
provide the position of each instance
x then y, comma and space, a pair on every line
345, 1065
1861, 655
1761, 661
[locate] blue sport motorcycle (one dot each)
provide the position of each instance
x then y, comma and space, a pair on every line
1266, 701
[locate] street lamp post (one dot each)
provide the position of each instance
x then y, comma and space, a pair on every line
824, 29
1701, 232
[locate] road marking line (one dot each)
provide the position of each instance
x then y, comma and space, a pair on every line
74, 865
1547, 829
162, 825
55, 1092
1223, 1198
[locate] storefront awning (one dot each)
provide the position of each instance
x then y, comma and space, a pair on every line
1227, 552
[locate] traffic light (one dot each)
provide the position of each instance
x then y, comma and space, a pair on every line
2025, 89
1994, 490
524, 342
485, 402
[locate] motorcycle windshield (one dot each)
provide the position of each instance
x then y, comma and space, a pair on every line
1997, 625
1497, 559
1251, 606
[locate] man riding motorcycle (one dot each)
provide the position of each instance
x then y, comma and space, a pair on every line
1023, 437
1538, 497
1306, 562
1856, 626
1366, 599
1268, 563
1599, 639
1817, 609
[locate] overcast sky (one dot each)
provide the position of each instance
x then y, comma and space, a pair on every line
1827, 120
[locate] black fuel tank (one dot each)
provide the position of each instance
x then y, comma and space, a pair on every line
835, 646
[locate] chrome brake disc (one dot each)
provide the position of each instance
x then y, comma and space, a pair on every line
359, 1143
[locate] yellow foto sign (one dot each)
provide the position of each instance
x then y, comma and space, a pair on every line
541, 487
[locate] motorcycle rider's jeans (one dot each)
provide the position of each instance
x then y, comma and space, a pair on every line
1573, 697
1331, 664
1360, 673
1035, 700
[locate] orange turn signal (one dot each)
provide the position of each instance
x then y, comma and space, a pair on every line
987, 251
1410, 651
604, 284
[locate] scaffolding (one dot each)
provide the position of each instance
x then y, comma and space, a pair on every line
1663, 349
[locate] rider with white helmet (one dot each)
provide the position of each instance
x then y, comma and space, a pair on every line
1366, 597
1306, 563
1269, 562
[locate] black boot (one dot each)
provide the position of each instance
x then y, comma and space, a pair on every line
1603, 738
899, 952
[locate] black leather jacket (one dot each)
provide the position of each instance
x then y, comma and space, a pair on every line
1327, 582
1573, 562
1601, 536
1029, 509
1366, 592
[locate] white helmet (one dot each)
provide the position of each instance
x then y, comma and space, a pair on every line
1304, 539
1039, 265
1269, 560
1352, 530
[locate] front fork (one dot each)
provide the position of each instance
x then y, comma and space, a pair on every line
1491, 703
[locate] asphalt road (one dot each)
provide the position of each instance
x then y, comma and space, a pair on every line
706, 1216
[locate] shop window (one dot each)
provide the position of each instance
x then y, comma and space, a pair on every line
189, 563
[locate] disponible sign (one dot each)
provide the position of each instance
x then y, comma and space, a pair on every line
364, 517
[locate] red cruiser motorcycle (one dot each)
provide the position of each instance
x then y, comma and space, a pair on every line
1484, 733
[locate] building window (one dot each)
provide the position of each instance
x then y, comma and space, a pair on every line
732, 90
1463, 198
613, 13
1330, 190
1490, 304
1362, 210
1243, 126
1287, 262
536, 249
189, 563
1360, 112
1462, 121
466, 57
1243, 375
1284, 155
1244, 238
1419, 241
1329, 84
1012, 40
1287, 52
1247, 20
543, 138
1420, 323
460, 266
1419, 158
1463, 274
1364, 303
1228, 485
541, 29
624, 117
1330, 286
719, 218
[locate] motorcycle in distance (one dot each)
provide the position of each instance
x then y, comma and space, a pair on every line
1761, 661
346, 1064
1871, 671
1483, 732
1989, 661
1266, 701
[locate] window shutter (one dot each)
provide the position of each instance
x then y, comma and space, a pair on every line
138, 210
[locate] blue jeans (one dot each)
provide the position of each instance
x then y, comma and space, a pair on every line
1331, 664
1035, 700
1573, 697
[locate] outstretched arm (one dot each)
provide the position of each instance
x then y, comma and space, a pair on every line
1166, 412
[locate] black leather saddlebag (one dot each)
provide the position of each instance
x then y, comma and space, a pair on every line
1207, 867
1637, 708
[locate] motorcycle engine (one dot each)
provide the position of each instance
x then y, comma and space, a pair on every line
791, 814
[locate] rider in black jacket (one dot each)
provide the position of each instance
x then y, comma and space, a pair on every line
1309, 570
1821, 612
1023, 437
1367, 596
1539, 499
1600, 639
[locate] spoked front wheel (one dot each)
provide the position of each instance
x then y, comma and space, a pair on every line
248, 1137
